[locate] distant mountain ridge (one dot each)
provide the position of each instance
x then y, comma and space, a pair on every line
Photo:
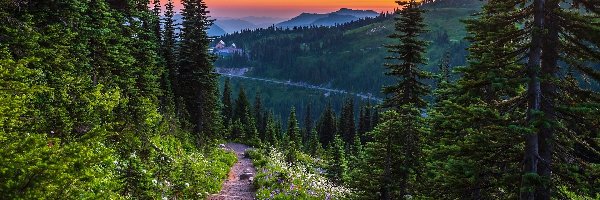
234, 25
213, 31
341, 16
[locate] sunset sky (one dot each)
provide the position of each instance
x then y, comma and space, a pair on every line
288, 8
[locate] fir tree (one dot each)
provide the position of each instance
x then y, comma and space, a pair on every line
242, 107
258, 113
409, 52
195, 70
327, 128
293, 131
314, 147
402, 149
308, 124
346, 125
338, 164
227, 111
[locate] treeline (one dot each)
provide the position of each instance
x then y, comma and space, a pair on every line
98, 101
311, 133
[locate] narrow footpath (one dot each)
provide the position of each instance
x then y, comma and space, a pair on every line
238, 185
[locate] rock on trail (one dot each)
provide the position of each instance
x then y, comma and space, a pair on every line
238, 185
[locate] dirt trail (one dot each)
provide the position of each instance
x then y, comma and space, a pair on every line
239, 184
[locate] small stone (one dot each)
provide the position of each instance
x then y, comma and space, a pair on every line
246, 176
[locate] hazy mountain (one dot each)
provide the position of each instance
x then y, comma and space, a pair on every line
357, 13
334, 19
329, 19
263, 22
233, 25
215, 30
304, 19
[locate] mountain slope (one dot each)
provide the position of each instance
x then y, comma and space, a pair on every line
215, 30
356, 13
340, 56
341, 16
304, 19
263, 22
235, 25
334, 19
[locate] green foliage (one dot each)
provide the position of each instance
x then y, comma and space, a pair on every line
293, 135
36, 166
87, 110
392, 160
347, 125
197, 84
327, 126
278, 179
337, 167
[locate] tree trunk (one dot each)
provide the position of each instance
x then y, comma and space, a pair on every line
548, 88
534, 99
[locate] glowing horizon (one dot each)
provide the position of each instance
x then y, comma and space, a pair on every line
289, 8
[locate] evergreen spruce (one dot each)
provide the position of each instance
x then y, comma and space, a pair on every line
327, 128
195, 70
396, 154
227, 111
293, 131
308, 124
346, 125
242, 107
338, 164
258, 114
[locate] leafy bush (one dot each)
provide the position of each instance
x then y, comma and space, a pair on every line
278, 179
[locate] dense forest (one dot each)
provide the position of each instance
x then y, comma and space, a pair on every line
103, 99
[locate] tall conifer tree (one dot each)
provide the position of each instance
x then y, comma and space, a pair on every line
401, 149
197, 82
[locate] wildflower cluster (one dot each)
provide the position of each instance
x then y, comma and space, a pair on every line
278, 179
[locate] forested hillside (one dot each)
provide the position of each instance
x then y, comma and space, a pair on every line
340, 56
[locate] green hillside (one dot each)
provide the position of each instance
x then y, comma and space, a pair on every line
341, 56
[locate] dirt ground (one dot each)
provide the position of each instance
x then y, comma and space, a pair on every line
236, 188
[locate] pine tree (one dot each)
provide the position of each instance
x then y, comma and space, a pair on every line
168, 49
314, 147
338, 164
242, 107
402, 159
195, 70
293, 131
327, 128
368, 121
308, 124
258, 114
227, 111
270, 131
346, 125
469, 112
492, 89
409, 52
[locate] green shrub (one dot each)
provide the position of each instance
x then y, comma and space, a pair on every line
278, 179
